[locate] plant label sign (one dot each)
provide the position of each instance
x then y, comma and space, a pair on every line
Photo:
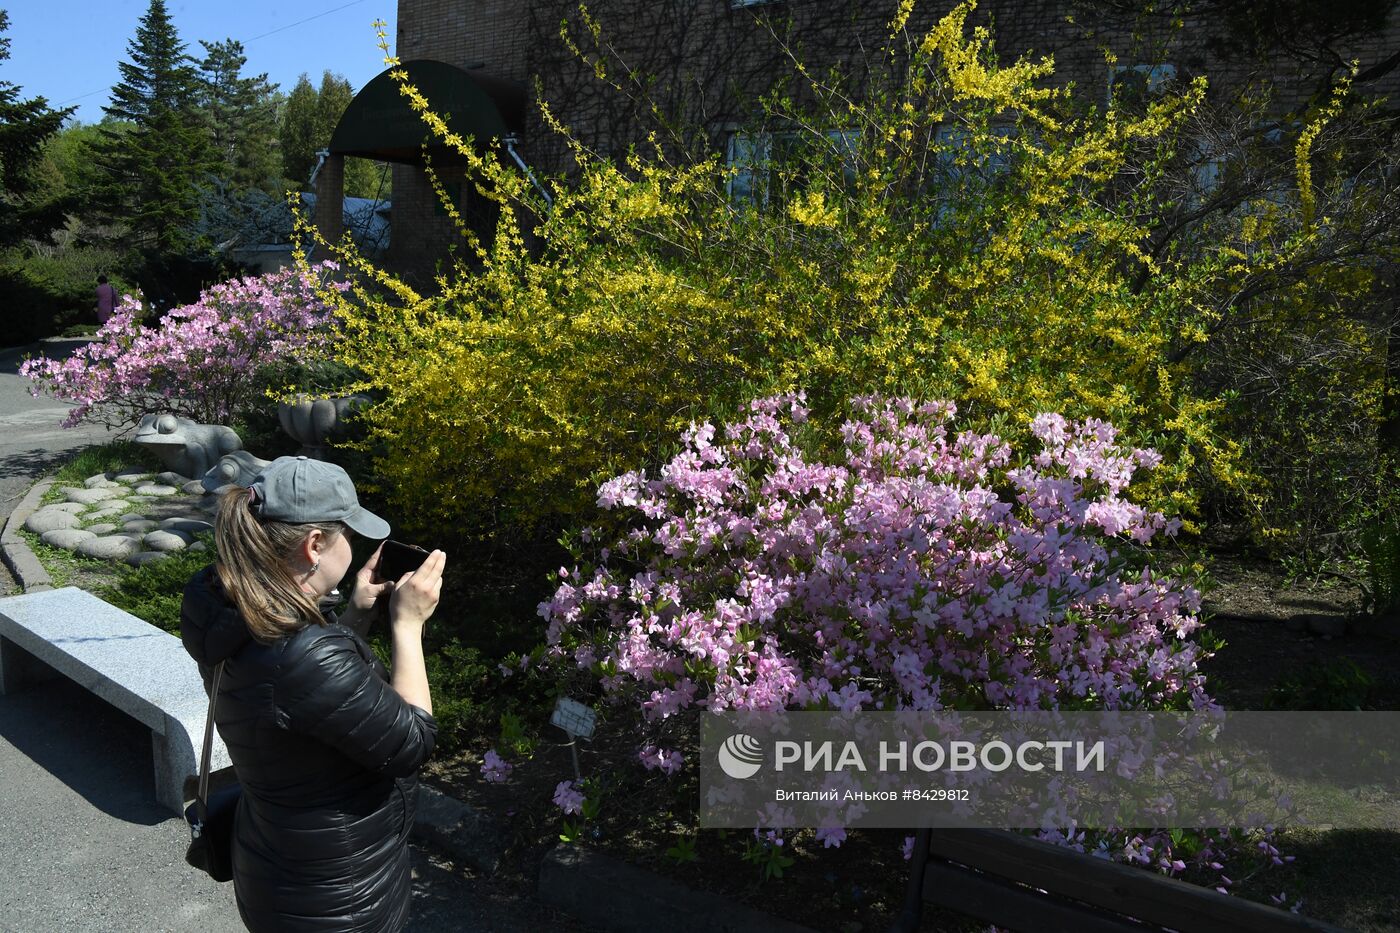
574, 718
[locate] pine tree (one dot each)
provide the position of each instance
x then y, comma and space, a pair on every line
332, 99
298, 133
27, 210
150, 176
242, 117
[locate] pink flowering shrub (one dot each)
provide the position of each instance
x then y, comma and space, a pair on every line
209, 361
924, 569
921, 568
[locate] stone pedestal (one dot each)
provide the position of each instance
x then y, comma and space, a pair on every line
312, 421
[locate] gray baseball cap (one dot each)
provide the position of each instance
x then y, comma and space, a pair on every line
299, 490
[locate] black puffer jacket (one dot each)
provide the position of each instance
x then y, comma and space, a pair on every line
327, 754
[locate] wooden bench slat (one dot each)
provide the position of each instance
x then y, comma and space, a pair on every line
1121, 889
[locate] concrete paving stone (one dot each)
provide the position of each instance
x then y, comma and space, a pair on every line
101, 528
132, 517
171, 510
171, 478
193, 488
198, 546
88, 496
131, 474
166, 541
72, 508
66, 538
188, 524
110, 547
145, 557
100, 481
107, 509
50, 520
138, 526
156, 489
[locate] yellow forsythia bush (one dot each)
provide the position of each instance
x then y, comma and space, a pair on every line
962, 231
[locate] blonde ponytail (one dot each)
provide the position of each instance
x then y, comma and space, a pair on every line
254, 566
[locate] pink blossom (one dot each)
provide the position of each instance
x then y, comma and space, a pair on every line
209, 360
568, 797
668, 761
495, 769
818, 562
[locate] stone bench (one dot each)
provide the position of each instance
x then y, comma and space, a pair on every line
131, 664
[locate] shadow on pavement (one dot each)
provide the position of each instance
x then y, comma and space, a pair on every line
102, 754
33, 462
54, 349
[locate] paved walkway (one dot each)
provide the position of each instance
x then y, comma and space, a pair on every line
83, 847
32, 444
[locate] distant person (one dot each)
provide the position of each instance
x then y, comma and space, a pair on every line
106, 299
325, 741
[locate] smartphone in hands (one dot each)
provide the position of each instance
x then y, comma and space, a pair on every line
397, 559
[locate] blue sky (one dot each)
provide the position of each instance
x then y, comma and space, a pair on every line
68, 49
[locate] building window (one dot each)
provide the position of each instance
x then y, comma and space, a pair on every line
752, 157
749, 156
957, 159
1136, 84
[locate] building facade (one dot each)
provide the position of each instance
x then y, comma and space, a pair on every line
707, 61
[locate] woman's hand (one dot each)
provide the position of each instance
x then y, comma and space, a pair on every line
367, 592
415, 595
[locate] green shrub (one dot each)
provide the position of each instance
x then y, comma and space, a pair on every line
1380, 550
1337, 685
48, 291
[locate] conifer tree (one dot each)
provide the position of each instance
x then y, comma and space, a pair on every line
26, 210
150, 176
242, 118
298, 133
308, 123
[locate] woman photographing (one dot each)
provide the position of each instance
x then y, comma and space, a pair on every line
325, 741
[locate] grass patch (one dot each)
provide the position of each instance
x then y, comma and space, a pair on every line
153, 591
105, 458
64, 567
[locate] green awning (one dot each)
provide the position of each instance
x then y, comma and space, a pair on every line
380, 124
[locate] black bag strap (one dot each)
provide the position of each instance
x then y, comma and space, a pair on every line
202, 800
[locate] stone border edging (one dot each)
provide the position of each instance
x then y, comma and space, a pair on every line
598, 889
29, 573
457, 828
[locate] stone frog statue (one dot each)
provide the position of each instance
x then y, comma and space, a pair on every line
184, 446
239, 468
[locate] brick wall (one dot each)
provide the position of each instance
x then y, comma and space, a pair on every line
465, 33
709, 58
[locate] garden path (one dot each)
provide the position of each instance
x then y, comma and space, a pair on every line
31, 442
